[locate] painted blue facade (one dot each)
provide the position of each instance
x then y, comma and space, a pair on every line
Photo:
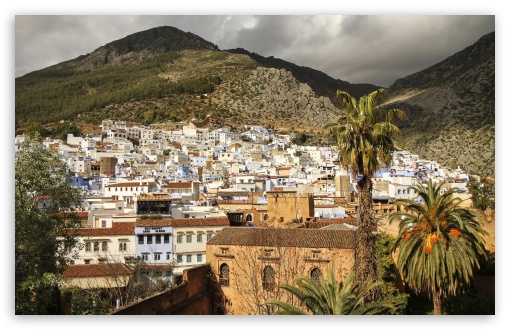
154, 244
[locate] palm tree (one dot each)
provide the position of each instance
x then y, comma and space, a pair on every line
439, 243
329, 297
365, 141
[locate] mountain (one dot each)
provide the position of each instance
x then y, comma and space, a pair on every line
165, 75
451, 109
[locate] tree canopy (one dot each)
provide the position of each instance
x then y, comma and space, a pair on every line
45, 205
439, 244
329, 297
365, 143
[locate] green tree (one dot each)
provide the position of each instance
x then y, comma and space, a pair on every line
36, 129
44, 212
329, 297
483, 193
365, 141
439, 244
388, 273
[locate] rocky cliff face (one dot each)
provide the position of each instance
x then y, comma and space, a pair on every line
161, 75
275, 97
451, 109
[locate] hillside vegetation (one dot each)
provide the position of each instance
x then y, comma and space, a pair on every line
451, 109
165, 75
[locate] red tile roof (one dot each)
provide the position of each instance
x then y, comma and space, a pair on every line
176, 185
300, 237
118, 228
97, 270
153, 223
201, 222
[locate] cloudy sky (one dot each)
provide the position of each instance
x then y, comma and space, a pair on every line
375, 49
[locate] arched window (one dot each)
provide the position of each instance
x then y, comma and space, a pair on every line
224, 275
268, 278
266, 217
249, 218
316, 274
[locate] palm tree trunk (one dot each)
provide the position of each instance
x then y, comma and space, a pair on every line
365, 253
436, 299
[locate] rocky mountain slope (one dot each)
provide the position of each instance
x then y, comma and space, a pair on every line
451, 109
164, 75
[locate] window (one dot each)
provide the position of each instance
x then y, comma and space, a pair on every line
96, 246
149, 239
188, 238
316, 274
158, 239
179, 238
266, 217
249, 218
224, 275
268, 278
199, 238
158, 274
157, 256
88, 246
104, 246
145, 256
87, 261
209, 236
188, 258
122, 246
199, 257
168, 255
103, 223
166, 238
140, 239
179, 258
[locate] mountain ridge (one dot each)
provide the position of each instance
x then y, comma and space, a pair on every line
159, 75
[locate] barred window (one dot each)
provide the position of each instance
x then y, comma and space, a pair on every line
268, 278
224, 275
316, 274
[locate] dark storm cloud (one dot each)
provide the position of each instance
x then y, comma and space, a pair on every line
359, 49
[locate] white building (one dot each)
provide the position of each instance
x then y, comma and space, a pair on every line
190, 238
113, 244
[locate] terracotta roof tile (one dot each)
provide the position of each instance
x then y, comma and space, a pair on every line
201, 222
175, 185
118, 228
97, 270
306, 238
153, 223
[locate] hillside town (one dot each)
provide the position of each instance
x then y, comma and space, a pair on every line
177, 200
